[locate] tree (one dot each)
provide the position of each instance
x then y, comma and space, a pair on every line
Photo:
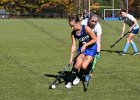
133, 6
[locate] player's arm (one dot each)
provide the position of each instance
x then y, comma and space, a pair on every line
98, 43
92, 35
73, 47
123, 29
99, 34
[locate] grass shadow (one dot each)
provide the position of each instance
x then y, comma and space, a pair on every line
114, 51
63, 78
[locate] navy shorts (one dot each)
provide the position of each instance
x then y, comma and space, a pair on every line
135, 31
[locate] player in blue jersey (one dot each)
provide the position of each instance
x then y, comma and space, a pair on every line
134, 29
87, 45
93, 23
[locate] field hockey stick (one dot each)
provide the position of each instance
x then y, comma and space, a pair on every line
93, 66
52, 85
94, 63
119, 39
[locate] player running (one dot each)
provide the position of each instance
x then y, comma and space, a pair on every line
134, 29
87, 45
93, 23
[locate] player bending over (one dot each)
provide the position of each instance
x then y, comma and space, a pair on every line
134, 29
87, 46
93, 23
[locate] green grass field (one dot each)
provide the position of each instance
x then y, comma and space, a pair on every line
33, 51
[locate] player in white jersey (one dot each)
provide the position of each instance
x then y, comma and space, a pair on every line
93, 23
134, 29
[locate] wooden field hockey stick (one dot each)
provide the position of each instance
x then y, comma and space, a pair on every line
119, 39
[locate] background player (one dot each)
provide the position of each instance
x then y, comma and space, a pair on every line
134, 29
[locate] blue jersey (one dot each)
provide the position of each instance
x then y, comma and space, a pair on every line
85, 38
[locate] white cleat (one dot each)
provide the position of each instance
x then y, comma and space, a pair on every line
136, 53
68, 85
122, 53
76, 81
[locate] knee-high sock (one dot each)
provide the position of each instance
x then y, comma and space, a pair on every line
73, 73
126, 47
81, 72
134, 47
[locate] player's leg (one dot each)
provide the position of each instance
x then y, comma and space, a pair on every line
90, 53
75, 69
86, 68
80, 74
129, 38
136, 51
127, 44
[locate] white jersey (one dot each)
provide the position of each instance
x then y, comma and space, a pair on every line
97, 29
129, 21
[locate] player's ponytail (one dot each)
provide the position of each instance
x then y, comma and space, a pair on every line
73, 17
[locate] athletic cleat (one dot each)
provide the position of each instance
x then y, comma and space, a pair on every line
68, 85
87, 77
76, 81
135, 53
122, 53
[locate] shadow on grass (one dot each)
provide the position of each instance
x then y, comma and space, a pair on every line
63, 78
114, 51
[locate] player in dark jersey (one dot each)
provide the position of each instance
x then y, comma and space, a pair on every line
87, 45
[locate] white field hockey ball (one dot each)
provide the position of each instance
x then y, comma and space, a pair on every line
53, 86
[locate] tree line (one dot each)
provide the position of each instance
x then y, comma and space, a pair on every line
61, 6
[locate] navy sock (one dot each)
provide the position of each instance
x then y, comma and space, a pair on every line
73, 74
